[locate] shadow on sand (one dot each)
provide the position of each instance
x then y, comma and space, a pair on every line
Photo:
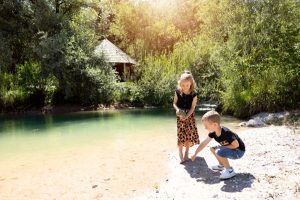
202, 173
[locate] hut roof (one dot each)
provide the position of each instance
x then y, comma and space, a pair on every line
112, 53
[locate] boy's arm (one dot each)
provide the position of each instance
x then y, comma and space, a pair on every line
201, 146
194, 103
234, 145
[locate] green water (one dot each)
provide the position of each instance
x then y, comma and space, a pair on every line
23, 134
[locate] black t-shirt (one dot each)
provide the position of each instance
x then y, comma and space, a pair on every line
227, 137
184, 100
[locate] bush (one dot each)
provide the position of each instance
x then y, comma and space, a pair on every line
158, 81
97, 85
11, 95
129, 93
26, 88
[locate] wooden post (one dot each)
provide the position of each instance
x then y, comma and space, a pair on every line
124, 71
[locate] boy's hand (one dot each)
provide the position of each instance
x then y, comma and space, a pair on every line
193, 157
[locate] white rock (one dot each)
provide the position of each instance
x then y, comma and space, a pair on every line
255, 123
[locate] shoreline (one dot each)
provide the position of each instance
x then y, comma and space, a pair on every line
285, 117
68, 108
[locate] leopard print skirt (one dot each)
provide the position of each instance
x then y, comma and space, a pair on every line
187, 131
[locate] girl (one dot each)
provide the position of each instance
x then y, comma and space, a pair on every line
185, 101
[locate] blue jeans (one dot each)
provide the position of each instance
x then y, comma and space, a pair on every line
228, 153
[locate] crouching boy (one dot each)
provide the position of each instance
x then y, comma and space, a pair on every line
231, 146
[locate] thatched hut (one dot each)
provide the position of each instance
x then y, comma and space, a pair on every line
120, 60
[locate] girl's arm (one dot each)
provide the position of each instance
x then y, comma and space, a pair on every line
200, 147
175, 102
194, 103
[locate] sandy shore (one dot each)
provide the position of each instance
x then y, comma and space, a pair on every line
105, 171
269, 170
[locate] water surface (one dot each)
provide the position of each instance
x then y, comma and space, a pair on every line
28, 134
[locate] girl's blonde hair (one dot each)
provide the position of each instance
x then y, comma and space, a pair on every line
187, 76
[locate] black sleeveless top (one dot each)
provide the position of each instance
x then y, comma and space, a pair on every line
184, 100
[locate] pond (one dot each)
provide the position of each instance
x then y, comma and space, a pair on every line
37, 133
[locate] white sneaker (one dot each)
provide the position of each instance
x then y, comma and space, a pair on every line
227, 173
218, 167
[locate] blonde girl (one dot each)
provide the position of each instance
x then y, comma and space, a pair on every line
184, 103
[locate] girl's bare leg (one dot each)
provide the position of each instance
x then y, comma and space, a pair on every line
187, 147
180, 148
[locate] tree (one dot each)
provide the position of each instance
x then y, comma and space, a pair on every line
260, 66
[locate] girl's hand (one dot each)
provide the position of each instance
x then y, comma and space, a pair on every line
181, 114
181, 117
185, 118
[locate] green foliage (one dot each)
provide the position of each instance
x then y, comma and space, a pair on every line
6, 54
243, 54
48, 52
128, 93
260, 62
13, 99
199, 56
152, 27
161, 73
101, 80
10, 94
158, 81
29, 75
28, 88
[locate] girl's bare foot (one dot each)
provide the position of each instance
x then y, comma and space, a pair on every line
182, 160
186, 158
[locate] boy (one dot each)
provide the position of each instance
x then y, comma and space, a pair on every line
232, 146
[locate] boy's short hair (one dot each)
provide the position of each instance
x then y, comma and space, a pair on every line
212, 116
